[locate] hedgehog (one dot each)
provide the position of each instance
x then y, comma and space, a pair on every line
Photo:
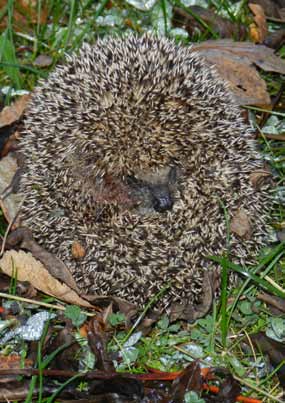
136, 151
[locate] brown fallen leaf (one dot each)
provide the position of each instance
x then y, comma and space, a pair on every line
276, 302
14, 361
187, 18
274, 349
77, 250
25, 13
9, 202
31, 270
275, 39
97, 340
22, 238
240, 224
259, 55
189, 312
12, 113
10, 144
190, 379
270, 7
259, 34
259, 177
236, 61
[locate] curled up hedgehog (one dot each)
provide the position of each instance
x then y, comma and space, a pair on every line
134, 150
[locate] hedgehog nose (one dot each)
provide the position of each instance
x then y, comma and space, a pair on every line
162, 202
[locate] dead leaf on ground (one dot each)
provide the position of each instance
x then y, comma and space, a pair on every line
273, 300
9, 202
23, 238
275, 39
270, 7
240, 224
77, 250
127, 308
25, 13
189, 380
97, 340
259, 30
222, 26
12, 113
189, 312
10, 143
259, 178
31, 270
274, 349
260, 55
65, 359
235, 63
14, 361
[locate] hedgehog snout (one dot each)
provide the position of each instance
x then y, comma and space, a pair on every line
161, 198
153, 191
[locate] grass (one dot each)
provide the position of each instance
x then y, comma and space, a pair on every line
27, 33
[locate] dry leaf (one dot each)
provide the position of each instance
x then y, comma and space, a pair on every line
243, 80
260, 55
270, 7
9, 203
258, 178
275, 39
240, 224
222, 26
261, 32
25, 13
235, 63
77, 250
12, 113
31, 270
14, 361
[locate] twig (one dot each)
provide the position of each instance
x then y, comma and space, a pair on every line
35, 302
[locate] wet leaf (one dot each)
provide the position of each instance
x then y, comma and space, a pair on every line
275, 351
97, 340
131, 388
229, 391
69, 351
192, 397
189, 380
143, 5
276, 330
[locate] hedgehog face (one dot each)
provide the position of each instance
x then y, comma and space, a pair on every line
143, 192
153, 191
